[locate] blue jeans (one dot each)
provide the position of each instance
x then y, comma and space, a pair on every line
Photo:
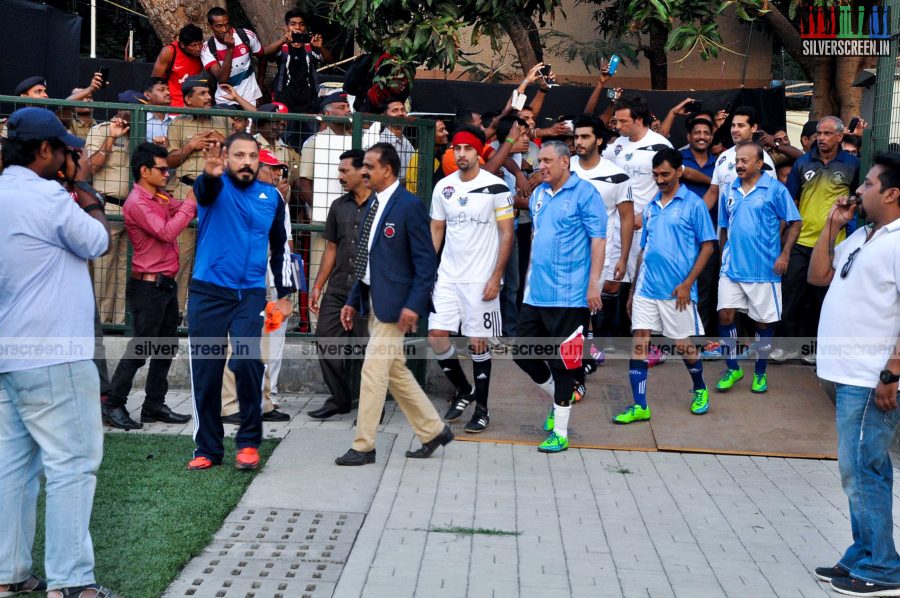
865, 434
50, 422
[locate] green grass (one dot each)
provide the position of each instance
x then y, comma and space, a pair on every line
471, 531
151, 515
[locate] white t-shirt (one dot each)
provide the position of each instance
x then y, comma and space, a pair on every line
724, 174
471, 210
636, 159
860, 319
611, 182
242, 78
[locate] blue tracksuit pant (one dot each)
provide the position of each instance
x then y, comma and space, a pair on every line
214, 314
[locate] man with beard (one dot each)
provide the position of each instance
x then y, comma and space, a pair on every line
614, 188
240, 219
753, 260
189, 135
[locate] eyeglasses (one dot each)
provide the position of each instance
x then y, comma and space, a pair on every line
161, 169
846, 269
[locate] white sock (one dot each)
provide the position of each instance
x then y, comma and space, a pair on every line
561, 420
548, 387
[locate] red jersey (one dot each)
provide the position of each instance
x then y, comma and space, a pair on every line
183, 66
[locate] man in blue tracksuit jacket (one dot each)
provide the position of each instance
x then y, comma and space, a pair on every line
240, 219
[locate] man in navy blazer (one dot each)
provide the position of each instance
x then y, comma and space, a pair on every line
396, 265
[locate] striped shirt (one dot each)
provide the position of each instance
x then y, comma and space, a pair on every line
564, 224
753, 221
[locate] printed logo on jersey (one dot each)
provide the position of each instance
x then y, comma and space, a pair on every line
448, 191
838, 178
729, 204
629, 156
538, 204
617, 151
463, 200
809, 174
731, 166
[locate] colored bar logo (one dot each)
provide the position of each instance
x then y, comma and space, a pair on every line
829, 29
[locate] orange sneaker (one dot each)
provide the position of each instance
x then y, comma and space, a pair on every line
247, 458
200, 463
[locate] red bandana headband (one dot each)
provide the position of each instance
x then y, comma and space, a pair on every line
466, 138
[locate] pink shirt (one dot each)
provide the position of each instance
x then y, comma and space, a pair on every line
153, 223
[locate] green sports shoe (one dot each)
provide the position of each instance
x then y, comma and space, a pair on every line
700, 404
554, 444
635, 413
550, 421
760, 383
728, 379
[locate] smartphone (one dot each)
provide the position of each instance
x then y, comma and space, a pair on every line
301, 38
853, 122
104, 75
758, 135
611, 93
728, 107
694, 107
613, 64
545, 71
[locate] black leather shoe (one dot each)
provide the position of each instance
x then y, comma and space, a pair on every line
234, 419
325, 411
163, 415
275, 416
427, 448
354, 457
118, 417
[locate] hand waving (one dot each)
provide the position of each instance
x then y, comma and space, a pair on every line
214, 158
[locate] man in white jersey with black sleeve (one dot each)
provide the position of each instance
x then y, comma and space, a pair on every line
614, 187
472, 216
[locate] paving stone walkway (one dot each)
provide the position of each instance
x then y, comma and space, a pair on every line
500, 520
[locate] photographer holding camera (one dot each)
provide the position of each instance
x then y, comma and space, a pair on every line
296, 83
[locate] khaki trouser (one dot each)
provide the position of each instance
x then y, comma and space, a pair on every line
385, 369
109, 276
187, 241
229, 388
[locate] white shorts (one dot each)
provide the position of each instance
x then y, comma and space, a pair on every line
633, 255
460, 303
760, 300
613, 252
662, 317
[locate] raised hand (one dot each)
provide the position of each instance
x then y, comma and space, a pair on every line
117, 128
679, 108
214, 160
229, 39
228, 92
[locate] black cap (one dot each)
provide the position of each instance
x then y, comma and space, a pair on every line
24, 86
333, 98
194, 81
274, 108
132, 96
39, 123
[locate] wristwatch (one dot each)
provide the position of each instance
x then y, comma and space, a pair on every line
888, 377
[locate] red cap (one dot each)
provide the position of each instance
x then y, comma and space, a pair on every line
268, 158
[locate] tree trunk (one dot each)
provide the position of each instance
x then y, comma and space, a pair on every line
656, 55
167, 17
823, 100
849, 98
789, 37
268, 23
519, 32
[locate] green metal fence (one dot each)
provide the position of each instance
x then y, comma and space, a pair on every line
886, 125
311, 172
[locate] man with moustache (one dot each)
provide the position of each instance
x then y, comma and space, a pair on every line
614, 188
753, 259
342, 229
676, 241
156, 93
394, 268
180, 60
240, 220
863, 304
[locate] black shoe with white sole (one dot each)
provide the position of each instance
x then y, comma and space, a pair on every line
829, 573
851, 586
457, 409
479, 422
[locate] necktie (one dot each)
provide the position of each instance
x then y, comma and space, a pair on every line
362, 250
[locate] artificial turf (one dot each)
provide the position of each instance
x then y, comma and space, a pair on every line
151, 515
